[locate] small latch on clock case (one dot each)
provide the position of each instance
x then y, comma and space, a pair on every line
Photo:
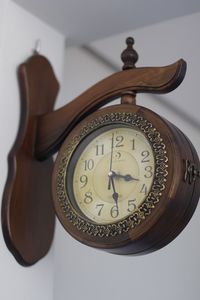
191, 172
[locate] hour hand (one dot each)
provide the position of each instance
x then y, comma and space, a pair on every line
126, 177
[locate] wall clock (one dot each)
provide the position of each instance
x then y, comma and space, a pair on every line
125, 179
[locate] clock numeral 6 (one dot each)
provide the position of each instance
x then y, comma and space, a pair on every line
114, 212
88, 198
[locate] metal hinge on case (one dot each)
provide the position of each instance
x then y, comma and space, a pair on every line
191, 172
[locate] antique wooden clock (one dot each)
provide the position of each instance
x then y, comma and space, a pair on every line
125, 179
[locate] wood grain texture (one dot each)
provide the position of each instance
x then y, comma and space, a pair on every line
53, 127
27, 211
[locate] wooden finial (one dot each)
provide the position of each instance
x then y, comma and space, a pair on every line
129, 56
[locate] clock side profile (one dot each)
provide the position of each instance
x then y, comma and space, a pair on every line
125, 180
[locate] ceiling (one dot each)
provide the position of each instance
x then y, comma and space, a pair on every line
88, 20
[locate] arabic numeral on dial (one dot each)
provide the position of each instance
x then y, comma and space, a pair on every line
99, 207
131, 205
88, 164
114, 212
88, 198
99, 149
119, 141
149, 171
143, 189
145, 154
83, 180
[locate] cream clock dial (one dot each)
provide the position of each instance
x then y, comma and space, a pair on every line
111, 173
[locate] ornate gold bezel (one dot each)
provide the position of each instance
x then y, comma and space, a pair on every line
158, 185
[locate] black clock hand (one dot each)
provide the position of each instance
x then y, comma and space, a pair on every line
111, 159
115, 195
127, 177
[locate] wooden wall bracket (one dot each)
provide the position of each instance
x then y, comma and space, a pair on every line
27, 209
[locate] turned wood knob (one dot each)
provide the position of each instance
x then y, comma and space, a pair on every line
129, 56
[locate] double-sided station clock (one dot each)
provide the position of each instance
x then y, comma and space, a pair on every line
125, 179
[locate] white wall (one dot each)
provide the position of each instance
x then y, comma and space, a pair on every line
18, 32
174, 271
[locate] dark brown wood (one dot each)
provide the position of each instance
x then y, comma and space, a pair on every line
168, 217
53, 127
128, 98
129, 56
27, 211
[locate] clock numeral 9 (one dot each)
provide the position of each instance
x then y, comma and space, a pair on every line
131, 205
88, 198
145, 155
114, 212
88, 164
83, 180
149, 171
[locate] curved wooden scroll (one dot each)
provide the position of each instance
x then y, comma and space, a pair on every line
53, 127
27, 210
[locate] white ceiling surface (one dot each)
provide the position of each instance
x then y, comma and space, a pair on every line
88, 20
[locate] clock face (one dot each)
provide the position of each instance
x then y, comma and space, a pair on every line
110, 173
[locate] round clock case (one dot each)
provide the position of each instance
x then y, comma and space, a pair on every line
170, 202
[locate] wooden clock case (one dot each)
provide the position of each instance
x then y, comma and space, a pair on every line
27, 209
171, 201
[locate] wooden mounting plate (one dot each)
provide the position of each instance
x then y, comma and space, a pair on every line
27, 212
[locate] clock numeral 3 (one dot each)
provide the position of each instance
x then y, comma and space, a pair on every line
149, 171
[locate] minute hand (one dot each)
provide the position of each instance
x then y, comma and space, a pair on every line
111, 158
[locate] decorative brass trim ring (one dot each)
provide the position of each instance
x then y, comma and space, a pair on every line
158, 185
